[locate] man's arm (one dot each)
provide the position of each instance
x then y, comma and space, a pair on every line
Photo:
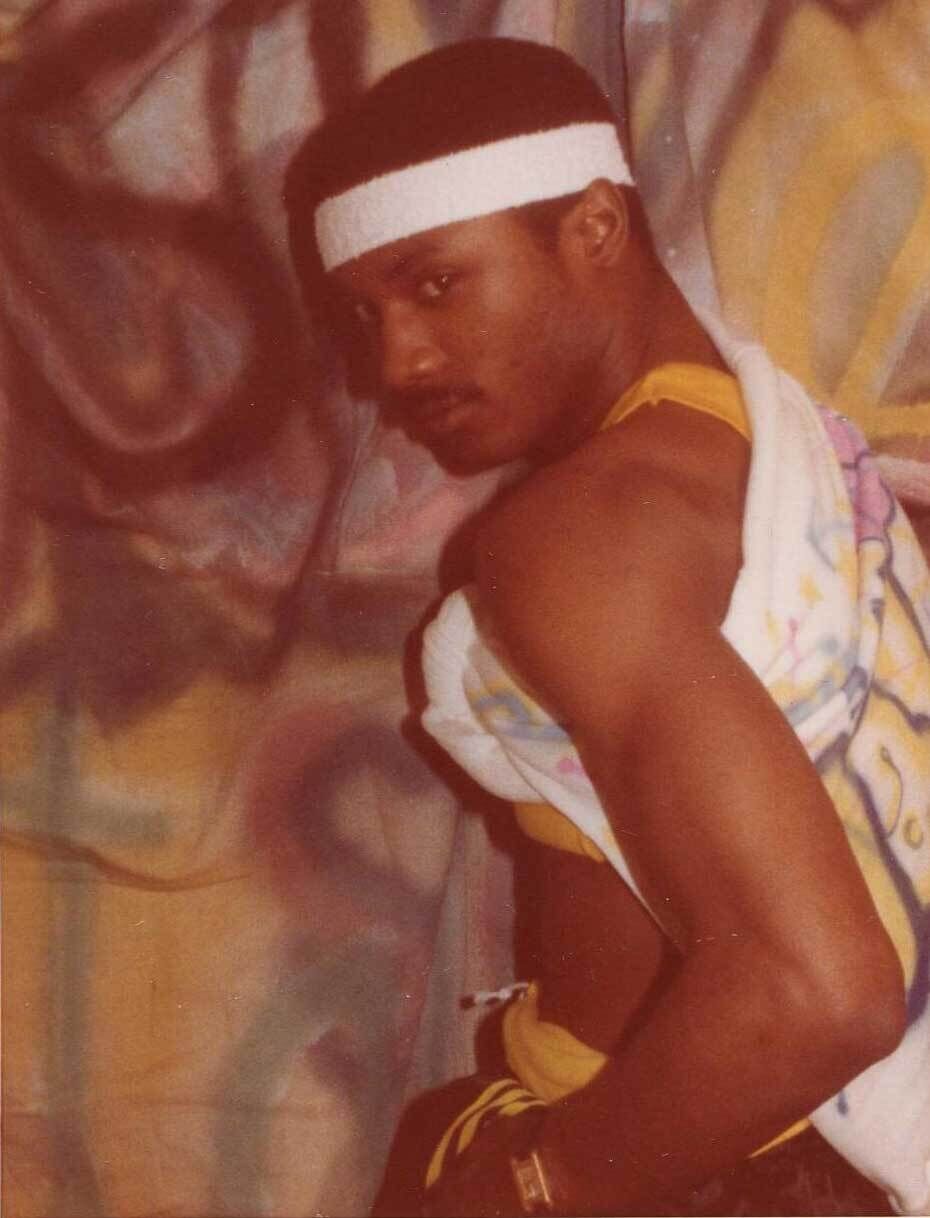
610, 608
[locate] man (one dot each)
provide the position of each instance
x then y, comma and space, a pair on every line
661, 636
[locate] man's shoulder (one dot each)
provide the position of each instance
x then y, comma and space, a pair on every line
618, 518
590, 567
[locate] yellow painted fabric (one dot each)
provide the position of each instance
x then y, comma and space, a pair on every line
800, 213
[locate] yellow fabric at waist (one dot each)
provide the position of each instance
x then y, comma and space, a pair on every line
548, 825
553, 1063
546, 1058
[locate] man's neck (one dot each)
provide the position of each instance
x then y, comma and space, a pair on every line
672, 332
658, 328
654, 326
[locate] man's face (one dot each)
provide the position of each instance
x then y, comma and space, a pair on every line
481, 338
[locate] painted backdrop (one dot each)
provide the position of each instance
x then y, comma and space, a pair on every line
241, 898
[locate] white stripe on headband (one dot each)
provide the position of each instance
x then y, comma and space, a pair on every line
464, 185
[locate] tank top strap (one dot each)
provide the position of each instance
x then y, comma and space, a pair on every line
697, 386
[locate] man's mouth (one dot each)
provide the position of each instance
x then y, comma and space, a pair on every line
441, 411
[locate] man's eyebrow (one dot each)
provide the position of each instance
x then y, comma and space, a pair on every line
402, 264
399, 266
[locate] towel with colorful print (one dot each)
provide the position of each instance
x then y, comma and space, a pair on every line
832, 611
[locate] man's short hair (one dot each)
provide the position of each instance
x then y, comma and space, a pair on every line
465, 130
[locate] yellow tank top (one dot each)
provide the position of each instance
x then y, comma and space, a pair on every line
703, 389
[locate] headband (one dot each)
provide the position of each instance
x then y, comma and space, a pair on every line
464, 185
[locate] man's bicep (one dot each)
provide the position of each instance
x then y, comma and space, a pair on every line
577, 596
720, 813
723, 818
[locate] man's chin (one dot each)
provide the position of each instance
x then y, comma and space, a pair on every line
460, 454
465, 465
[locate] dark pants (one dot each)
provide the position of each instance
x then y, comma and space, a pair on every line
804, 1176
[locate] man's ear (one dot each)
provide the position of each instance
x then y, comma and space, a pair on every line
598, 226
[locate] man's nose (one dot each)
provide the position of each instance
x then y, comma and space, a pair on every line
410, 351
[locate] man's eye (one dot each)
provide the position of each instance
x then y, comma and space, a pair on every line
435, 286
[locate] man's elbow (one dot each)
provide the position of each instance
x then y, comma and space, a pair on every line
872, 1020
855, 1005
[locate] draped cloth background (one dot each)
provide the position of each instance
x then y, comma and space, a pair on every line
241, 898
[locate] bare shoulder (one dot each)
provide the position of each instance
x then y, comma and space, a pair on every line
585, 569
649, 512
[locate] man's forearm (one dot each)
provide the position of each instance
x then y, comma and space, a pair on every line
733, 1053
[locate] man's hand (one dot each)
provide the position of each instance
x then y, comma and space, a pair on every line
480, 1183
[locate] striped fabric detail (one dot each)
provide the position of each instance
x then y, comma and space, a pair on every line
504, 1097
